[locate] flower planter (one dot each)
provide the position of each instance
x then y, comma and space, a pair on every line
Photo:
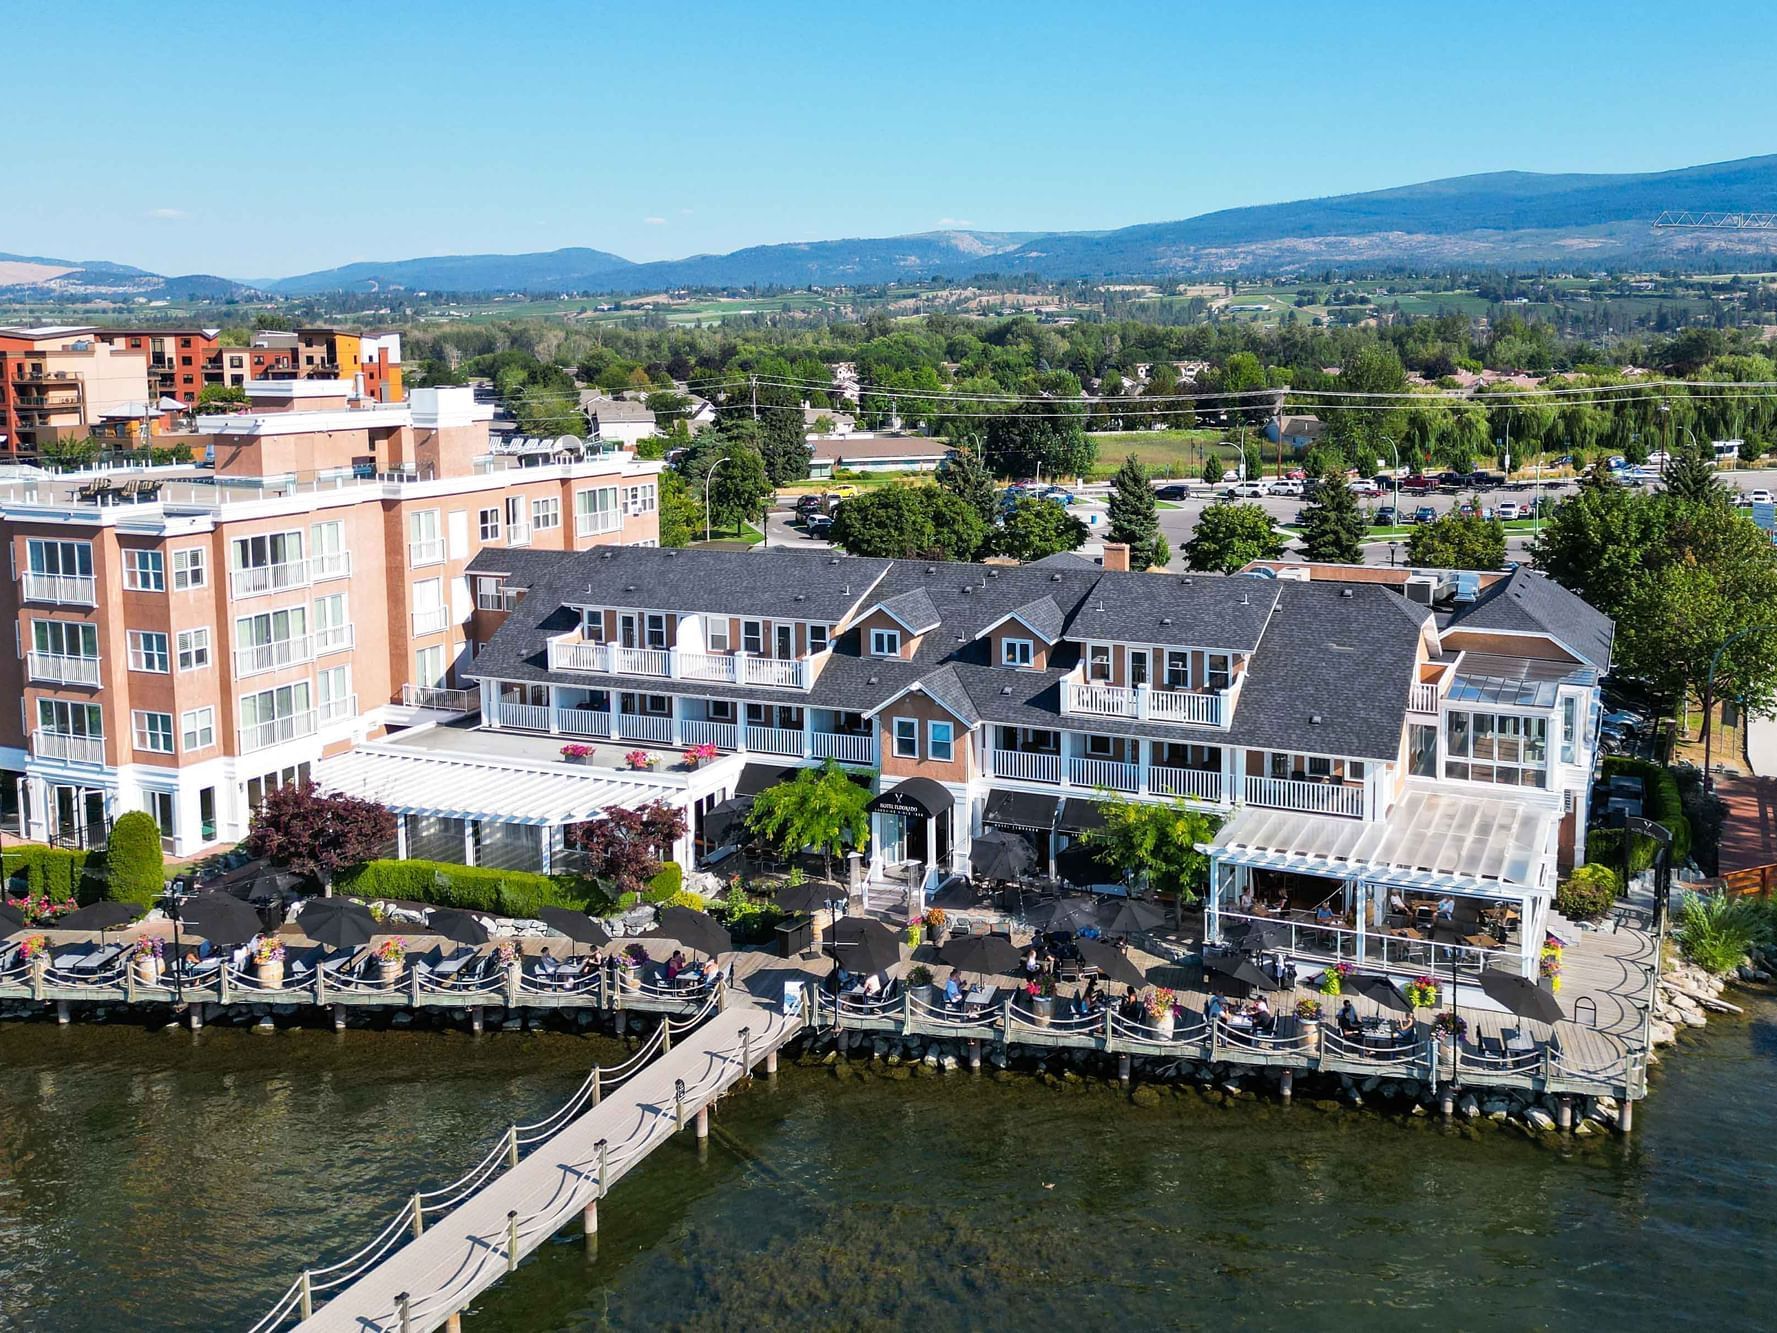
1162, 1026
1310, 1034
146, 969
271, 975
388, 969
940, 936
914, 935
629, 978
926, 995
1042, 1008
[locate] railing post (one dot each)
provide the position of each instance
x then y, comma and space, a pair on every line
666, 1033
604, 1165
320, 985
512, 1241
1109, 1032
512, 1145
746, 1052
401, 1306
598, 1084
305, 1295
413, 985
679, 1102
419, 1217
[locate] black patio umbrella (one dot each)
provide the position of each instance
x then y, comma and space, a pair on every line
220, 918
1063, 914
725, 821
983, 954
697, 931
577, 926
459, 927
1262, 936
101, 916
11, 919
271, 883
997, 855
808, 896
863, 945
1082, 864
337, 922
1112, 963
1521, 996
1382, 991
1236, 968
1129, 916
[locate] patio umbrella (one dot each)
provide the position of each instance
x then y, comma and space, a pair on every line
1081, 864
1381, 990
577, 926
337, 922
11, 919
809, 896
997, 855
1112, 963
697, 931
725, 821
984, 954
1521, 996
1063, 914
271, 883
101, 916
863, 945
1237, 968
1262, 936
1129, 916
459, 927
220, 918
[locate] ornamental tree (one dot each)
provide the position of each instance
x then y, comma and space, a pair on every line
1157, 843
963, 476
1458, 541
318, 833
820, 808
1333, 529
1035, 528
134, 863
1229, 536
624, 848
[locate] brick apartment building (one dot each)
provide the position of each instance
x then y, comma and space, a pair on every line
187, 637
181, 362
64, 382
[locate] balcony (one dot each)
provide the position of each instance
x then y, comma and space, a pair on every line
643, 727
1305, 797
592, 525
1211, 708
846, 747
518, 534
774, 740
61, 589
722, 735
68, 747
333, 710
259, 657
1024, 765
426, 551
1192, 784
55, 669
258, 580
436, 698
332, 565
575, 654
277, 730
431, 620
333, 639
1109, 773
1422, 697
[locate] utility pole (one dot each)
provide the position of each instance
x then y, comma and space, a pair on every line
753, 380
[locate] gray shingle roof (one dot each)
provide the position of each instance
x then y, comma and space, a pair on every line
1042, 617
1191, 610
1533, 603
913, 609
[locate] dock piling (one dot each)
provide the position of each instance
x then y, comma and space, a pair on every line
1447, 1102
339, 1018
703, 1121
1123, 1065
63, 1016
974, 1055
771, 1062
1626, 1116
453, 1323
512, 1241
589, 1218
401, 1305
477, 1024
1286, 1085
195, 1012
1564, 1113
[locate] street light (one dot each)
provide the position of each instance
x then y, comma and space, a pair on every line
1709, 699
708, 478
1397, 474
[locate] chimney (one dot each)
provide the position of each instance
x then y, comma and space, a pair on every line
1116, 557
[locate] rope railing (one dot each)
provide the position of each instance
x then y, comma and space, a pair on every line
1234, 1036
1089, 1024
1479, 1062
1186, 1033
1344, 1048
985, 1021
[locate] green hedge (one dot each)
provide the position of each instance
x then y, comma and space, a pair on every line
472, 888
135, 865
1660, 802
667, 881
56, 871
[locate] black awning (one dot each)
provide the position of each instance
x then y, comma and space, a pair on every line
1021, 810
1079, 815
755, 778
920, 797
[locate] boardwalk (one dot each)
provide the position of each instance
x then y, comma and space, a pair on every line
470, 1248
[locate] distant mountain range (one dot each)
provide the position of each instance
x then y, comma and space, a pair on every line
1508, 218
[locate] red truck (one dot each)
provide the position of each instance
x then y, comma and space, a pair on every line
1418, 485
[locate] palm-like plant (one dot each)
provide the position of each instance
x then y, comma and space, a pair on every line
1716, 931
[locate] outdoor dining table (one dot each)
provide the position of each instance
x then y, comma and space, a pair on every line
446, 969
979, 997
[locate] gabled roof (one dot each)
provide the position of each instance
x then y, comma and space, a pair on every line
1041, 617
1193, 610
943, 688
1532, 603
913, 611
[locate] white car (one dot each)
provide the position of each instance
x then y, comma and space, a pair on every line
1760, 497
1249, 488
1285, 486
1365, 486
1507, 511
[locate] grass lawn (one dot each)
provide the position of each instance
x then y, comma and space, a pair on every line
745, 535
1171, 454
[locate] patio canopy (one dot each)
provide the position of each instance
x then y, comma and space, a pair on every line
458, 787
1080, 815
1433, 838
1021, 810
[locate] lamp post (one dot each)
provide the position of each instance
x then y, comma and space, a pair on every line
708, 478
1397, 475
1709, 699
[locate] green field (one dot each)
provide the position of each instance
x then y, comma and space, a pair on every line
1165, 453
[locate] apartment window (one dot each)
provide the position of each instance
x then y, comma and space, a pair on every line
1506, 749
424, 544
488, 524
153, 731
657, 705
190, 568
546, 513
1101, 747
66, 718
160, 805
1138, 666
592, 625
148, 650
1017, 652
517, 532
65, 638
72, 559
1178, 670
1319, 766
333, 693
1422, 752
1098, 661
819, 638
328, 548
1220, 673
194, 649
197, 729
144, 571
654, 630
906, 738
429, 665
721, 710
885, 643
752, 636
596, 511
332, 628
639, 499
940, 742
1570, 727
271, 550
716, 635
272, 638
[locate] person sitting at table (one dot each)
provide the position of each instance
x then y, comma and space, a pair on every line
1264, 1021
1397, 902
1245, 901
1403, 1031
675, 965
546, 964
1348, 1020
1032, 963
953, 992
1446, 908
1323, 914
1214, 1009
873, 985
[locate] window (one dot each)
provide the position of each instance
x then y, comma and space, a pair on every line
1098, 661
429, 665
194, 649
69, 719
1138, 666
425, 545
148, 650
190, 568
160, 805
716, 635
331, 558
639, 499
65, 638
271, 550
657, 705
1505, 749
1101, 747
153, 731
488, 522
721, 710
1570, 724
1422, 751
906, 738
596, 511
819, 637
518, 532
885, 643
654, 630
71, 559
197, 729
940, 742
546, 513
1220, 674
144, 571
592, 625
490, 593
333, 631
1178, 669
333, 693
752, 636
1319, 766
1016, 652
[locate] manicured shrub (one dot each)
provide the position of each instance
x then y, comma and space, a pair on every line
471, 888
135, 867
1587, 893
58, 872
666, 882
1660, 802
686, 898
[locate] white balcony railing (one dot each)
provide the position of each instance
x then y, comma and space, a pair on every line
1103, 773
277, 730
706, 666
431, 620
570, 653
577, 655
332, 565
1024, 765
586, 722
257, 580
55, 669
332, 710
1423, 697
847, 749
1314, 798
774, 740
645, 727
425, 551
526, 717
435, 697
1203, 710
333, 639
62, 745
258, 657
1103, 700
61, 589
1191, 707
1197, 784
722, 735
639, 661
518, 534
788, 673
591, 525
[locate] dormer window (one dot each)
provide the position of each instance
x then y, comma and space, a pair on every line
885, 643
1220, 671
817, 639
1017, 652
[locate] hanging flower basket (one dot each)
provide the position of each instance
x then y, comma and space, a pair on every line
1421, 993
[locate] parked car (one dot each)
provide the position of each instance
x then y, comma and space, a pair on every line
808, 504
1418, 484
1486, 481
1248, 488
844, 490
1760, 497
1365, 486
1176, 490
1386, 517
1508, 511
1455, 480
1286, 486
818, 525
1425, 514
1059, 494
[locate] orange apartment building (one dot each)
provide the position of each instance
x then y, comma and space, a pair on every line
181, 362
190, 636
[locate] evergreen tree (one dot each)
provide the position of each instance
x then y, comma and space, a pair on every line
1212, 470
963, 476
1691, 476
1333, 529
1134, 516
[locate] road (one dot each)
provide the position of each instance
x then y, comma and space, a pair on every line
1178, 522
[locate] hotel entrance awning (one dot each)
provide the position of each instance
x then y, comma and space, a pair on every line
920, 798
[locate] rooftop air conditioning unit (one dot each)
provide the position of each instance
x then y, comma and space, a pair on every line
1294, 575
1422, 588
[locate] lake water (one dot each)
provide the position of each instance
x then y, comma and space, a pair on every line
154, 1180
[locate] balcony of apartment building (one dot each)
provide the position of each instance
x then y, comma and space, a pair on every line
59, 589
575, 652
46, 668
1312, 784
1174, 699
68, 746
1125, 765
1430, 684
597, 522
257, 580
272, 654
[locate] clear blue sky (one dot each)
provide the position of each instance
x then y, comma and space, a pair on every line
255, 141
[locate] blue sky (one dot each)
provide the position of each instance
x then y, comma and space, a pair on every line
256, 141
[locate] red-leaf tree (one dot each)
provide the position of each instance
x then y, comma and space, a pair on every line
317, 833
624, 847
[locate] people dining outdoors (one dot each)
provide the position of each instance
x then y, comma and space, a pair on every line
1446, 908
1349, 1026
1323, 914
953, 992
675, 965
1215, 1008
1264, 1021
1397, 902
1245, 901
1033, 963
873, 986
